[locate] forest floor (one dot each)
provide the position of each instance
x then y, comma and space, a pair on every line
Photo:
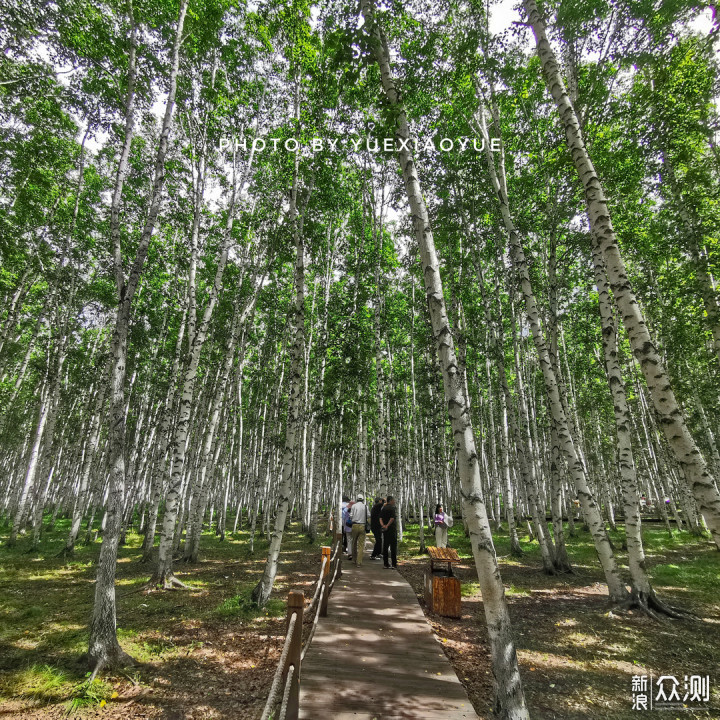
577, 654
200, 653
205, 653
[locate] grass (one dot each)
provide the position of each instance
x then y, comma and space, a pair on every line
47, 684
702, 575
42, 682
470, 589
185, 640
46, 601
577, 653
696, 569
91, 693
513, 591
241, 607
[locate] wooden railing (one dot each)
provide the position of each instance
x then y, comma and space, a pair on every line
285, 689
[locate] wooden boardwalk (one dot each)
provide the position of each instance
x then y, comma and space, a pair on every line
375, 656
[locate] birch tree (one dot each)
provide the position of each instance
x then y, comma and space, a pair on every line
653, 368
104, 648
510, 700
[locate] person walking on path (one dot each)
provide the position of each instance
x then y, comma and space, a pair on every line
388, 524
376, 529
441, 528
343, 516
359, 516
347, 528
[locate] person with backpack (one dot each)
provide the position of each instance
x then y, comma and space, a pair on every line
359, 518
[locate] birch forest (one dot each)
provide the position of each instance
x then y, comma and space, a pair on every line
256, 255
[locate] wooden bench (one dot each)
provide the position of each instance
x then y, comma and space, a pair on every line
442, 591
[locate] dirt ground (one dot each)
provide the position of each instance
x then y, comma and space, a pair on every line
202, 654
199, 655
577, 654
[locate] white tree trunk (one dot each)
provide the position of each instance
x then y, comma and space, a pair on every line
641, 588
103, 648
20, 511
576, 469
510, 699
663, 397
197, 333
262, 590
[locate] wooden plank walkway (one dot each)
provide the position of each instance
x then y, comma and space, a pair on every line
375, 656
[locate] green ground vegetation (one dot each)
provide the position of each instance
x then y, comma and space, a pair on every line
46, 601
577, 652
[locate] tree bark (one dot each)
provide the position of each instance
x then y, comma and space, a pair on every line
510, 699
103, 647
261, 592
576, 469
671, 416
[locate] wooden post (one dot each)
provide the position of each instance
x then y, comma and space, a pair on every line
325, 594
295, 604
326, 555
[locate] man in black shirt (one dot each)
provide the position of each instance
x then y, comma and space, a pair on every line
388, 523
375, 527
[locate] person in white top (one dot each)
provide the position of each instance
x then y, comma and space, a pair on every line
358, 516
